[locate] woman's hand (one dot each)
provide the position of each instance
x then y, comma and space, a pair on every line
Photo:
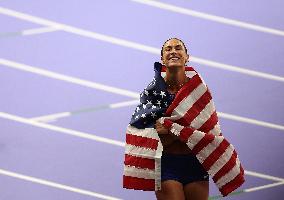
161, 129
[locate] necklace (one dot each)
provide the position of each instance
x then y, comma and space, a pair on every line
180, 85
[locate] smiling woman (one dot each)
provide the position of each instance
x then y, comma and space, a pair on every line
174, 140
182, 176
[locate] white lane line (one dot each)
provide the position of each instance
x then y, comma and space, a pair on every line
61, 129
210, 17
56, 116
51, 117
95, 138
133, 45
252, 189
124, 104
38, 30
56, 185
264, 176
66, 78
28, 32
250, 121
263, 187
115, 90
241, 70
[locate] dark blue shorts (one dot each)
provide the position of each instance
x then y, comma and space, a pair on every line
182, 168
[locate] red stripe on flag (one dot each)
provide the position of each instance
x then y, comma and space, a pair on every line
232, 185
139, 162
138, 183
184, 92
185, 133
208, 138
168, 123
215, 155
141, 141
196, 108
210, 123
226, 168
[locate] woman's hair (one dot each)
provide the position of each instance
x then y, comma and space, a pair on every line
171, 39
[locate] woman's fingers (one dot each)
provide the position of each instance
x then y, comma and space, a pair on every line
160, 128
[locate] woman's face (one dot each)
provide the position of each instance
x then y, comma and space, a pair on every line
174, 54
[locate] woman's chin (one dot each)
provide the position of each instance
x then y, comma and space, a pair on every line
175, 65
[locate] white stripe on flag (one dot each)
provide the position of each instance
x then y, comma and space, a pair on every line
195, 137
230, 175
203, 116
138, 172
140, 151
190, 74
147, 132
158, 166
157, 174
176, 129
206, 151
188, 101
222, 160
216, 130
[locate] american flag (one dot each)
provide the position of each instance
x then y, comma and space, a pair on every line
191, 116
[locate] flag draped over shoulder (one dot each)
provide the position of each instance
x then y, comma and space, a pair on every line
191, 116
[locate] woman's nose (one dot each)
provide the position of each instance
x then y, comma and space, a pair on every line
173, 53
173, 50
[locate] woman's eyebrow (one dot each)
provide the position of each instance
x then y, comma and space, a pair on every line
176, 46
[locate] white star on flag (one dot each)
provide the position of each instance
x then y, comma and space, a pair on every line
159, 102
153, 114
146, 92
153, 82
149, 102
163, 94
137, 109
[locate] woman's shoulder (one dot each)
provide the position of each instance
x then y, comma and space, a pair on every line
191, 71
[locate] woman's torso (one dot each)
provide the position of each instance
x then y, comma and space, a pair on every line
171, 143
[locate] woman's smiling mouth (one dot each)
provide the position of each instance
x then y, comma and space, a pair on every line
174, 58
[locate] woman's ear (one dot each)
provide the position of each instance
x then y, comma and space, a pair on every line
162, 61
187, 57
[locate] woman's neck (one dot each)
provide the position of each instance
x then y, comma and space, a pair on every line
175, 78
